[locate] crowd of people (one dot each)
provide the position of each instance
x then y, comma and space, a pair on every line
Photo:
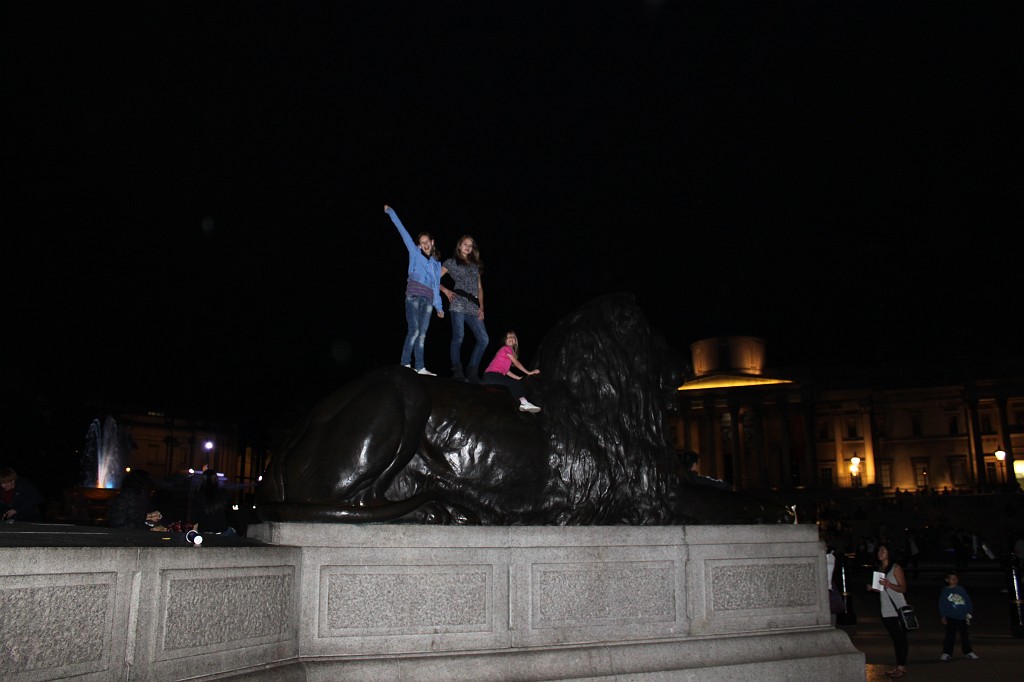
201, 502
423, 291
954, 607
202, 506
896, 564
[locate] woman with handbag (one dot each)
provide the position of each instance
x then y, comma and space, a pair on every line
891, 597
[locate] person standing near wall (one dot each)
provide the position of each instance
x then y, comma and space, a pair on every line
210, 504
891, 596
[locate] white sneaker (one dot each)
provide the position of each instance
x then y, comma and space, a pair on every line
973, 656
407, 366
426, 372
528, 407
945, 657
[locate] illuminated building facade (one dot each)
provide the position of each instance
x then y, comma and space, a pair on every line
883, 429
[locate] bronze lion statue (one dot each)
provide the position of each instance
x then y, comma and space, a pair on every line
397, 446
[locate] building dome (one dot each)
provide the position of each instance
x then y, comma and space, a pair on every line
728, 355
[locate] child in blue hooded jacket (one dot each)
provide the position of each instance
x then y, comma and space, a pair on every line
955, 610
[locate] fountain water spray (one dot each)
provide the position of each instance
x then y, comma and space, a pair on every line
106, 451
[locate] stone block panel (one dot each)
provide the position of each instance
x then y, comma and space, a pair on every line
747, 587
405, 600
398, 600
582, 593
228, 608
56, 625
602, 594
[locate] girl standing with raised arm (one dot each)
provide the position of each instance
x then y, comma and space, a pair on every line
499, 372
422, 292
466, 306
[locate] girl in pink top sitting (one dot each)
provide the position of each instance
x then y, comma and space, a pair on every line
499, 373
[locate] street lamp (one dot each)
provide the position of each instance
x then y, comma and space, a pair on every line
1001, 457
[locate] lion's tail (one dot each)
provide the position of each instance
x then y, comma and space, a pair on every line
318, 513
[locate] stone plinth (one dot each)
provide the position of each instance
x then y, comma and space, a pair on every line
408, 602
145, 613
540, 603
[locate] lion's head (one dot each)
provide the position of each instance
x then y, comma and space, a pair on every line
607, 380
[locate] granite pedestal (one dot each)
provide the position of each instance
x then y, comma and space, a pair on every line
412, 602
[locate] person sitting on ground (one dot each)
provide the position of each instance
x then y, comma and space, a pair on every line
210, 505
19, 499
688, 462
499, 372
134, 506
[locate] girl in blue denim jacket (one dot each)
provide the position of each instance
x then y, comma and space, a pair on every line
422, 292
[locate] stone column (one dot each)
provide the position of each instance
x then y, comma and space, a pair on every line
785, 466
712, 435
868, 433
736, 445
838, 454
764, 481
1006, 441
974, 425
808, 463
687, 426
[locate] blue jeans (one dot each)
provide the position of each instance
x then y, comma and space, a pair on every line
476, 325
417, 317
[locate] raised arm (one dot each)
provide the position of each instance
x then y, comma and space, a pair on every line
409, 244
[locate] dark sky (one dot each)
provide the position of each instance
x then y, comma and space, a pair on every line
194, 190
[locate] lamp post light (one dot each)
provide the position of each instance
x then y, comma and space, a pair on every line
1001, 457
855, 471
211, 454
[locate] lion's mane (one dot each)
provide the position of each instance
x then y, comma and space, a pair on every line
606, 382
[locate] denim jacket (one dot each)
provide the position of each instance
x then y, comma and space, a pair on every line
426, 271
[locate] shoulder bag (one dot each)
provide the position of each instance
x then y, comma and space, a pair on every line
908, 619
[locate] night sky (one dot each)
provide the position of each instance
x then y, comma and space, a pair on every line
194, 190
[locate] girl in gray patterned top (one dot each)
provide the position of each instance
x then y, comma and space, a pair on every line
466, 306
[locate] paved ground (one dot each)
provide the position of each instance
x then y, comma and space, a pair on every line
1001, 654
